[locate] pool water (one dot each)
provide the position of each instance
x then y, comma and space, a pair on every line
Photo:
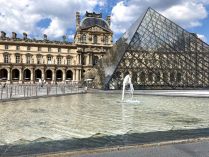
101, 114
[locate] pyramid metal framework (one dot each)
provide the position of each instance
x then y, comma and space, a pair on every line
160, 55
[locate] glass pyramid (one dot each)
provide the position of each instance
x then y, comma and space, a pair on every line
159, 54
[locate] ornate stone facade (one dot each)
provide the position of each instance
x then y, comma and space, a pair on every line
24, 60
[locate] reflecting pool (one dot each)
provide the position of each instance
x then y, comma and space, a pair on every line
92, 115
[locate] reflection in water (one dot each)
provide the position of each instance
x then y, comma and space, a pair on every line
90, 115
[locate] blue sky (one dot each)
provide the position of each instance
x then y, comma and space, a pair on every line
57, 18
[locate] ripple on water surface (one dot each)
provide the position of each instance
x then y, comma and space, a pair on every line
97, 115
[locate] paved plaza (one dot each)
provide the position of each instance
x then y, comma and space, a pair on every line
194, 149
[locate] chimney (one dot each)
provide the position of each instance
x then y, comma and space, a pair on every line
25, 36
78, 19
45, 37
108, 19
14, 35
3, 34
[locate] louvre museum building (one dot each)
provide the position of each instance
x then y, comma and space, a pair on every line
25, 60
157, 52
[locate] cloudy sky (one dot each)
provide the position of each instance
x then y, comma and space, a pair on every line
57, 17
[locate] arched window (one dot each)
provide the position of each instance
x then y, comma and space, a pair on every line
27, 74
3, 74
48, 75
15, 74
69, 75
38, 74
95, 39
59, 75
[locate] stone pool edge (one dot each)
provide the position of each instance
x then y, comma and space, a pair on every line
167, 93
41, 96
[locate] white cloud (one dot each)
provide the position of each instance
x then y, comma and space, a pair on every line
202, 37
187, 13
23, 16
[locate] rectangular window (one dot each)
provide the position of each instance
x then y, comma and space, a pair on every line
39, 48
59, 49
28, 60
28, 48
95, 39
38, 59
49, 60
49, 49
6, 59
17, 47
69, 61
6, 47
106, 40
59, 60
17, 59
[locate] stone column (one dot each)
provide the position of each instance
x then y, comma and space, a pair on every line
53, 75
32, 75
79, 59
64, 75
21, 75
9, 76
77, 75
74, 75
42, 74
89, 59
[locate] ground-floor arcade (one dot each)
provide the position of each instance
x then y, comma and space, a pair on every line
33, 74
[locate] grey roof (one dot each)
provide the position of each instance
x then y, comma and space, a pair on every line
92, 21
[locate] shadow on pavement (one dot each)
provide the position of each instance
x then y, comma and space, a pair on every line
99, 141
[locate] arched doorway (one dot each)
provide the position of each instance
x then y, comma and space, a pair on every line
3, 74
15, 74
27, 75
38, 74
59, 75
48, 75
69, 75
